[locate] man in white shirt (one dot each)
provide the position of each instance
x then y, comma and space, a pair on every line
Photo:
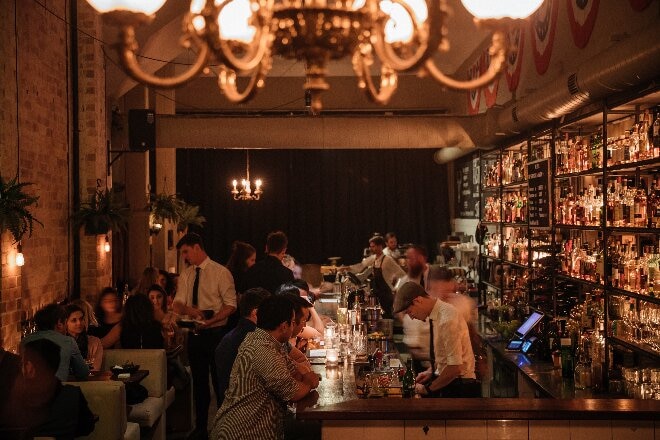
452, 370
206, 293
384, 273
392, 248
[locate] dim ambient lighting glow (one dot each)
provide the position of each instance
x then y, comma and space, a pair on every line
106, 245
245, 192
20, 259
243, 36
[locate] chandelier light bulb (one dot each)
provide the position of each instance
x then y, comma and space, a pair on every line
147, 7
234, 22
106, 245
496, 9
20, 259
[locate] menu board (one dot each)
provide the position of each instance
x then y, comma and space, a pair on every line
467, 176
538, 198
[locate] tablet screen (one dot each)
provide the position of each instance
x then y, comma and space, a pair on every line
528, 325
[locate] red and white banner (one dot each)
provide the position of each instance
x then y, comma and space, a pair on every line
514, 57
543, 27
474, 71
640, 5
582, 18
490, 91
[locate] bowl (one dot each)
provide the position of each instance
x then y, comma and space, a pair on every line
128, 368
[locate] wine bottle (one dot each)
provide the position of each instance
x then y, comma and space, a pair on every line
408, 381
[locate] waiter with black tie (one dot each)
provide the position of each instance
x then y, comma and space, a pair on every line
206, 293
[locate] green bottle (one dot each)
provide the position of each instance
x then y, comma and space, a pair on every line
408, 381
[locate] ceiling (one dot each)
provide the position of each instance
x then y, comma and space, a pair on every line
283, 90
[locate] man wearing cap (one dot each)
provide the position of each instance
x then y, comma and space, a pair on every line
452, 360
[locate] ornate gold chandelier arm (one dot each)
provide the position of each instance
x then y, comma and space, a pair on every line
227, 83
254, 51
498, 53
388, 79
126, 49
427, 35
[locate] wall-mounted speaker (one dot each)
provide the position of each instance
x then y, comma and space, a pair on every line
141, 129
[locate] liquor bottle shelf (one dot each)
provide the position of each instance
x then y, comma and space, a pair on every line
580, 227
518, 265
490, 223
516, 225
592, 284
645, 165
491, 188
640, 348
486, 283
638, 230
621, 292
590, 172
515, 185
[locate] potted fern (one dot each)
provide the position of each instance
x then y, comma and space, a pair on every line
15, 204
163, 207
189, 215
103, 212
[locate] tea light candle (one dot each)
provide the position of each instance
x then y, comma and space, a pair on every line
331, 357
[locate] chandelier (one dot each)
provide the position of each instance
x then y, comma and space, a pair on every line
246, 193
242, 36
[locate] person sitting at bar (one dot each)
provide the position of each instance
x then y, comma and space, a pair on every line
297, 345
108, 314
167, 319
50, 321
139, 327
392, 248
315, 326
76, 327
270, 273
384, 273
42, 405
452, 359
262, 380
227, 350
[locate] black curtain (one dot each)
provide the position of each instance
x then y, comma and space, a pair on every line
329, 202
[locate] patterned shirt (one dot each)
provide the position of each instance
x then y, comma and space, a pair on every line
260, 385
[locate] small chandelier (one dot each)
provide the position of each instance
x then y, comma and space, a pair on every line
246, 193
243, 35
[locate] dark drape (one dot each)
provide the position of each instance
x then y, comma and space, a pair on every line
329, 202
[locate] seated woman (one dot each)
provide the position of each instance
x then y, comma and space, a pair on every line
139, 327
76, 327
149, 278
167, 319
108, 314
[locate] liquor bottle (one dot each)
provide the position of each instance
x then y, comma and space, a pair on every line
596, 151
566, 358
125, 294
408, 381
655, 136
653, 205
640, 205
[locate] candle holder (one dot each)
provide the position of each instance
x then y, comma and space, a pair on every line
331, 357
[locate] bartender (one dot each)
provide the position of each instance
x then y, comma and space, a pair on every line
384, 272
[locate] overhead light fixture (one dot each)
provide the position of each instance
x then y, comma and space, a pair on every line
245, 192
106, 245
20, 259
244, 35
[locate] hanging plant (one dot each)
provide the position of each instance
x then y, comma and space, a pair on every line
189, 215
15, 215
165, 207
102, 213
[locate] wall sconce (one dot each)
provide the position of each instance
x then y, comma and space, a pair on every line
106, 245
20, 259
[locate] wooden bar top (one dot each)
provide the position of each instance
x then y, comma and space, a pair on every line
336, 399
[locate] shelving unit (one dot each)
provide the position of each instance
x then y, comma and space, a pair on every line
594, 228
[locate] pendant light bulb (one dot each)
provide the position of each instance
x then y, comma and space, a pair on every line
20, 259
106, 245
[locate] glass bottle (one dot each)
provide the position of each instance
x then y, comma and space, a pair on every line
566, 358
125, 294
408, 381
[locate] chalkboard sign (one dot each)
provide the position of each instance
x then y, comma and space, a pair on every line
538, 198
466, 171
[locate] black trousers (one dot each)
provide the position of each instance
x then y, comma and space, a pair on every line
459, 388
201, 355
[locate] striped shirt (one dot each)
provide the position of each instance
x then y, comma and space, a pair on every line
260, 385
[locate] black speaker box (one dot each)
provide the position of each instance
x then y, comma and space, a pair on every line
141, 129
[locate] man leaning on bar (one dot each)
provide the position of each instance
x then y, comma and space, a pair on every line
452, 361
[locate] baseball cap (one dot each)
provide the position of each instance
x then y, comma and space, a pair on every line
406, 294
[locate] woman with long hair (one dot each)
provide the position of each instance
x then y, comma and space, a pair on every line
243, 256
76, 327
158, 299
139, 327
108, 313
149, 278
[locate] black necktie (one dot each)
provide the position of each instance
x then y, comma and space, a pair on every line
431, 346
196, 287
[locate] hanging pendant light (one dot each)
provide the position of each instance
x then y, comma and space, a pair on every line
245, 192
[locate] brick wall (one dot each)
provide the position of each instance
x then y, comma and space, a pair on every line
44, 118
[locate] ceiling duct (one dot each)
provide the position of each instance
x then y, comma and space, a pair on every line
629, 63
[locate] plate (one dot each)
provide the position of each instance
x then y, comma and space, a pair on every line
117, 370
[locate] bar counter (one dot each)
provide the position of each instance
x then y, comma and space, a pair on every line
337, 406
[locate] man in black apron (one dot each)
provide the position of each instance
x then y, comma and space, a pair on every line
384, 273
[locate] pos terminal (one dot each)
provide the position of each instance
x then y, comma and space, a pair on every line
521, 341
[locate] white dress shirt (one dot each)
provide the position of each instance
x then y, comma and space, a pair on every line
451, 340
391, 270
216, 288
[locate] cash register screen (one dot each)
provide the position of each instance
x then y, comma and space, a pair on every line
528, 325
